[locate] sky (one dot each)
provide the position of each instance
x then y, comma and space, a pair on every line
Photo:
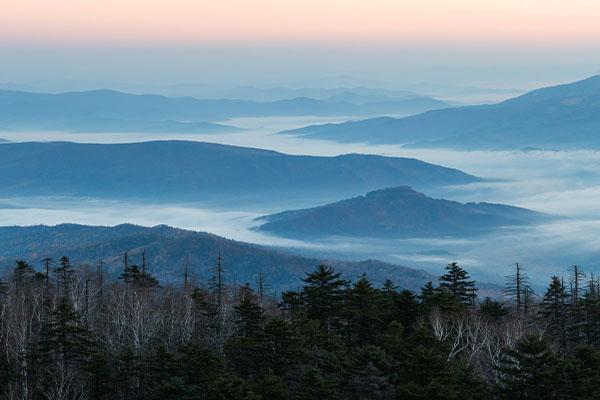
494, 43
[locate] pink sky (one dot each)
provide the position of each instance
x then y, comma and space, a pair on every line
140, 22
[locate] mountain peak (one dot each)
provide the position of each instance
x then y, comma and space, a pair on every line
397, 212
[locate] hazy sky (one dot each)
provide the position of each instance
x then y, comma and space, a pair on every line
484, 42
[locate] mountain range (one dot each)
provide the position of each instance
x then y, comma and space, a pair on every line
196, 171
559, 117
398, 212
167, 250
113, 111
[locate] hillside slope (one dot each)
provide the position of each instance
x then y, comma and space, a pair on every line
194, 171
396, 212
168, 249
565, 116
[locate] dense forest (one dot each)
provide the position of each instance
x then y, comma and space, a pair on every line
67, 331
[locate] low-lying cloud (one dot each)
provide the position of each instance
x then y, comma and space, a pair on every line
565, 183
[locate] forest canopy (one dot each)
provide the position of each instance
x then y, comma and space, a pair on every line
69, 332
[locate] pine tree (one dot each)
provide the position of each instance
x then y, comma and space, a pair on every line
493, 310
554, 308
369, 383
281, 347
292, 302
578, 373
363, 312
63, 337
199, 365
314, 386
128, 373
64, 271
100, 376
457, 281
323, 295
527, 370
432, 297
406, 309
21, 274
248, 315
270, 386
426, 373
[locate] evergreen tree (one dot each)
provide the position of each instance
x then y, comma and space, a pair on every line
281, 347
578, 374
129, 373
363, 311
21, 274
63, 336
554, 309
457, 281
100, 376
244, 355
369, 383
291, 301
248, 315
493, 310
406, 308
442, 298
63, 271
527, 371
323, 295
425, 372
314, 386
270, 386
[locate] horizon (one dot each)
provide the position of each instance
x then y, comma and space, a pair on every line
490, 44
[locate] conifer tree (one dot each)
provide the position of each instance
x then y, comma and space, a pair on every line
63, 337
554, 308
363, 311
457, 281
527, 370
492, 309
406, 309
432, 297
282, 346
271, 386
248, 315
314, 386
100, 375
21, 274
426, 373
323, 294
63, 271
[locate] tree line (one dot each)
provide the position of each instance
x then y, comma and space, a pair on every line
70, 332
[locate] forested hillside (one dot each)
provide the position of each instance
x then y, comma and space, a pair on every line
195, 171
167, 251
558, 117
398, 212
71, 333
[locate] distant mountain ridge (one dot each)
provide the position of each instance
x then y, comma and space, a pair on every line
168, 249
196, 171
564, 116
113, 111
396, 212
